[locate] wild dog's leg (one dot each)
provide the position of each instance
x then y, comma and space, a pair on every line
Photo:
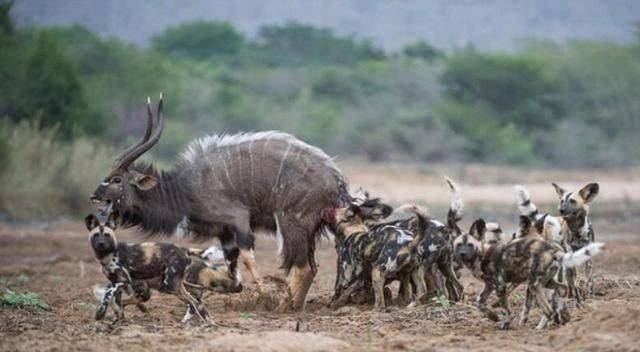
570, 274
503, 298
481, 302
106, 299
526, 307
431, 282
141, 294
231, 254
543, 304
452, 284
378, 278
246, 243
407, 294
417, 277
589, 275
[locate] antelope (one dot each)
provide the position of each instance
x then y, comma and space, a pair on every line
227, 186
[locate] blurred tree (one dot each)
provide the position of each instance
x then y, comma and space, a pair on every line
516, 87
421, 50
6, 24
294, 44
201, 40
52, 89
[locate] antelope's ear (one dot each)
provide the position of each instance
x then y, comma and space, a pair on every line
525, 224
478, 228
143, 182
559, 190
91, 222
589, 192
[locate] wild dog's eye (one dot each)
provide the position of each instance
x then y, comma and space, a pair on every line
572, 201
116, 179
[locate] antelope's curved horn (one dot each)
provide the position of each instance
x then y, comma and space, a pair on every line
144, 147
147, 134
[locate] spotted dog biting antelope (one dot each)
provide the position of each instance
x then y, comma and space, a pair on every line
378, 256
202, 276
125, 264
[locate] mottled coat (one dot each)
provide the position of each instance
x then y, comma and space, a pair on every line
530, 260
377, 256
572, 229
123, 264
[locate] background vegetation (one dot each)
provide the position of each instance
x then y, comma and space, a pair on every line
70, 98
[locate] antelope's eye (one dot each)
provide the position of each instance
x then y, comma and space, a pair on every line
116, 179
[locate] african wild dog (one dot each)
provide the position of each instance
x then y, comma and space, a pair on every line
124, 263
503, 267
377, 256
572, 228
201, 277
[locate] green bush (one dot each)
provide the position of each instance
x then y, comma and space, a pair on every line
519, 89
45, 177
29, 300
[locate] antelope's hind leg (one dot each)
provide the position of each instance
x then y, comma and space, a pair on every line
246, 244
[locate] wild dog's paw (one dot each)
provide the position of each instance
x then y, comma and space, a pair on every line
504, 325
100, 313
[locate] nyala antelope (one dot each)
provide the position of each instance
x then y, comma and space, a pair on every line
226, 187
572, 228
526, 259
123, 264
378, 256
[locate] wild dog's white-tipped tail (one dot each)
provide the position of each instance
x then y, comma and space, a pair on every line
493, 227
525, 205
456, 204
573, 259
99, 291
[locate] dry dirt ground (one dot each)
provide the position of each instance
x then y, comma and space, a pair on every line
57, 263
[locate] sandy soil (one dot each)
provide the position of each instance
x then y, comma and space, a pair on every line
57, 263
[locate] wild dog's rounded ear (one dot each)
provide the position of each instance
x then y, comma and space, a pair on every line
559, 190
91, 222
375, 209
143, 182
352, 210
589, 192
478, 228
525, 224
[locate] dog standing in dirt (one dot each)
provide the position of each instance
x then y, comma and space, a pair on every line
201, 277
572, 228
124, 263
380, 256
526, 259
